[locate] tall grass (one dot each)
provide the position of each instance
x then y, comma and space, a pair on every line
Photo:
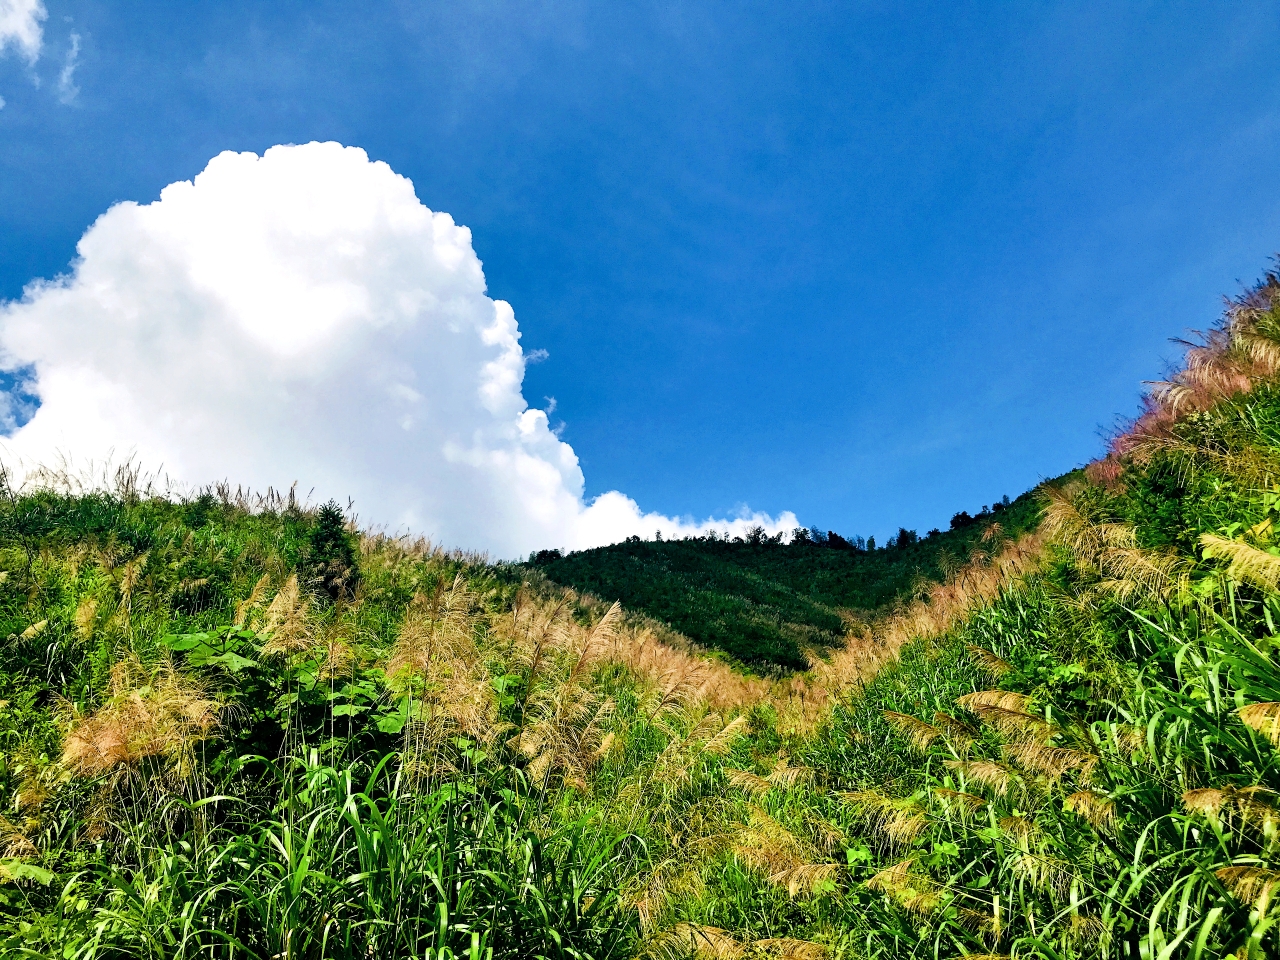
1065, 748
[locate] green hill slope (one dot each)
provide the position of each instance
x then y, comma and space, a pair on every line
765, 603
234, 729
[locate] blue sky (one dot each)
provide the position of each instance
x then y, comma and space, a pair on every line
872, 263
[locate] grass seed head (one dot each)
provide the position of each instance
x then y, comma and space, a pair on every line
1051, 762
955, 800
988, 774
705, 943
1098, 810
804, 878
917, 731
788, 948
750, 783
988, 661
1263, 718
152, 713
1253, 885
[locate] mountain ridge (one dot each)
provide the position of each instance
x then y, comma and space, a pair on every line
769, 605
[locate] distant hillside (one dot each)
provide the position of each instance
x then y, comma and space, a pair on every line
764, 602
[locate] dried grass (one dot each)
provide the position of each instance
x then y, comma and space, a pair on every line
977, 584
1264, 718
1253, 885
157, 713
1098, 810
1241, 351
1246, 564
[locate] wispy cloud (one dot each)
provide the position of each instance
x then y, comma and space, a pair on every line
20, 27
67, 89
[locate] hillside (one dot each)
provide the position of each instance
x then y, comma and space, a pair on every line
239, 729
766, 603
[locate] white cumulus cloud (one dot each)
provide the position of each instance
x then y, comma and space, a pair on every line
20, 26
302, 316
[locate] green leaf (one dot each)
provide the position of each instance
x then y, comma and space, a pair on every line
355, 691
186, 641
500, 684
17, 870
945, 849
393, 722
858, 854
231, 661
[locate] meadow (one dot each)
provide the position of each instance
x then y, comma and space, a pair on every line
235, 727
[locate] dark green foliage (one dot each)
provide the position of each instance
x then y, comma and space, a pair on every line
765, 603
331, 554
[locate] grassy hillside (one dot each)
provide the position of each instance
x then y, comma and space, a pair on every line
237, 730
766, 603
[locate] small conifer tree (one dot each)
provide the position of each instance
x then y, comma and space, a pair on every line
331, 555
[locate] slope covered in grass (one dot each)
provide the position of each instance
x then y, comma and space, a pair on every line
225, 735
766, 603
233, 730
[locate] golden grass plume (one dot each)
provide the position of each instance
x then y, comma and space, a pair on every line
1254, 885
157, 712
1245, 563
1264, 718
1098, 810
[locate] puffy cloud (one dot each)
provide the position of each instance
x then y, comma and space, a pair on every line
20, 22
302, 316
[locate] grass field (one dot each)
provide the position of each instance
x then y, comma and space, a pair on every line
236, 728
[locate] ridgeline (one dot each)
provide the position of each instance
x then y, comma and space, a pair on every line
767, 604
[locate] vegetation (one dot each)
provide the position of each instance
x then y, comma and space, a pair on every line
1066, 747
769, 604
